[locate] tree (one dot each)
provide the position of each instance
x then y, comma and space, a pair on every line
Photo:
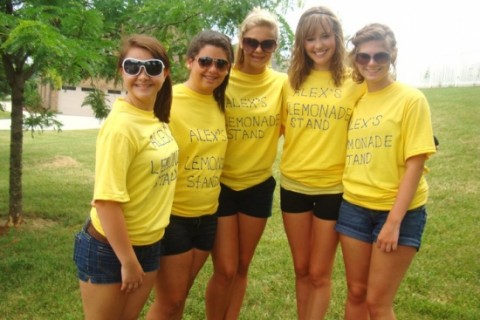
97, 100
175, 23
65, 41
4, 89
60, 40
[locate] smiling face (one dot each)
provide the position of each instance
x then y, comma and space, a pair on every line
376, 70
205, 79
256, 61
142, 89
320, 47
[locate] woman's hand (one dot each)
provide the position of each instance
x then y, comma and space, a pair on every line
111, 217
132, 276
387, 240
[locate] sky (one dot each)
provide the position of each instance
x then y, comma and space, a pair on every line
431, 34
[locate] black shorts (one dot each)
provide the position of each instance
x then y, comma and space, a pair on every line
324, 206
184, 234
255, 201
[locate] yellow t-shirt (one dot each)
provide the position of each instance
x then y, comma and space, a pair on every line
253, 123
316, 121
387, 127
136, 165
198, 125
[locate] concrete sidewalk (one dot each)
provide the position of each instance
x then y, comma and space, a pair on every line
69, 123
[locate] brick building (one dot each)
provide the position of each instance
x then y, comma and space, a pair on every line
69, 99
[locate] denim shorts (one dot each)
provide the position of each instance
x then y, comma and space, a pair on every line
184, 234
324, 206
255, 201
96, 261
365, 224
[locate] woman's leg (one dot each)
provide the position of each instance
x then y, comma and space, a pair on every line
102, 301
250, 232
106, 301
387, 270
136, 301
324, 247
298, 227
225, 263
356, 256
171, 286
174, 280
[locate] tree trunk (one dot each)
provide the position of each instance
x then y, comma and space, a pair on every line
16, 151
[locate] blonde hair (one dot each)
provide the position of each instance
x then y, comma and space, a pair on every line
256, 18
373, 32
301, 63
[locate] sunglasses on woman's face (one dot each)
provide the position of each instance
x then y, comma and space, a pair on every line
379, 58
153, 67
250, 45
207, 62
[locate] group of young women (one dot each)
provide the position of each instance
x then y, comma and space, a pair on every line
186, 171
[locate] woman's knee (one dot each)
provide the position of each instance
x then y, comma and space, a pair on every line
165, 308
379, 306
320, 280
243, 266
225, 275
172, 307
301, 271
357, 293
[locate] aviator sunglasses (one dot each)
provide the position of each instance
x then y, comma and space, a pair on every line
206, 62
153, 67
250, 45
379, 58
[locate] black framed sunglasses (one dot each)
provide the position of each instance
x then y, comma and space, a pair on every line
207, 62
251, 44
379, 58
153, 67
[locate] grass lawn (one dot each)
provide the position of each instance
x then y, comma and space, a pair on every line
37, 274
4, 114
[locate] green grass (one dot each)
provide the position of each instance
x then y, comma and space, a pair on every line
37, 275
4, 114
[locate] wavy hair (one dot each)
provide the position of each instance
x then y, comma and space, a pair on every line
373, 32
307, 26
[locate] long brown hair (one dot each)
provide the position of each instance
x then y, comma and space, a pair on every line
219, 40
301, 63
163, 101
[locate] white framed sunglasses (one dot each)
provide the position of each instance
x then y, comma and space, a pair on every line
152, 67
